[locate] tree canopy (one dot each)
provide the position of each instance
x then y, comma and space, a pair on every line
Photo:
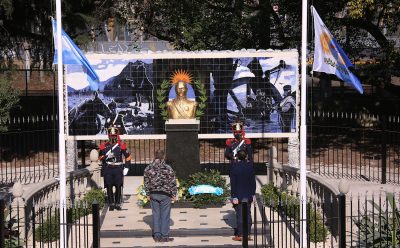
9, 98
202, 24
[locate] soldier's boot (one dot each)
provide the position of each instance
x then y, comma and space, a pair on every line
118, 192
110, 198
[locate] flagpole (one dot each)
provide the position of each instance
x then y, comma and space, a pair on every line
61, 135
303, 126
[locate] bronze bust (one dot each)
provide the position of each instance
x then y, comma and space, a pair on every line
181, 107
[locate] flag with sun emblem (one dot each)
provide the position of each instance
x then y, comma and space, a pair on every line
329, 57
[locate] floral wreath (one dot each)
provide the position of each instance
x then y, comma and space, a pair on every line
143, 201
181, 76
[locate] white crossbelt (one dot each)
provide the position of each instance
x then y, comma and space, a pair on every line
235, 151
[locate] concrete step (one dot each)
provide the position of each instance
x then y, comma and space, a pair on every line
181, 232
187, 242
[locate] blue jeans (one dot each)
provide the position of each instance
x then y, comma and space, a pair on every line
161, 208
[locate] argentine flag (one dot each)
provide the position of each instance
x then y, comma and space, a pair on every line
72, 55
329, 57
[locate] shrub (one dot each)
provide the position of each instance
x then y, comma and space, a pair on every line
9, 99
11, 234
211, 177
382, 230
318, 231
84, 207
289, 205
270, 195
95, 195
13, 242
49, 230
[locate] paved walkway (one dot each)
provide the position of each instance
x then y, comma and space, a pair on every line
131, 227
211, 227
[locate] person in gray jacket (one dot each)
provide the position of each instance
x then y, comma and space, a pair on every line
161, 190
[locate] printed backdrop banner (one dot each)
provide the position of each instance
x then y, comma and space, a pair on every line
257, 87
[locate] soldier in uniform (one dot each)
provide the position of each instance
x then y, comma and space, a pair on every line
113, 166
239, 142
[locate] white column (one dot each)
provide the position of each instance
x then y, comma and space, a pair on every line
303, 126
294, 151
61, 135
71, 155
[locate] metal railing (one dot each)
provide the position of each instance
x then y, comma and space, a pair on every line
82, 226
337, 152
34, 82
356, 153
358, 221
29, 151
28, 156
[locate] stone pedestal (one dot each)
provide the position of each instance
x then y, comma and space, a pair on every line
183, 148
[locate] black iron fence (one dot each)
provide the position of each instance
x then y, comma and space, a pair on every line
211, 153
33, 81
29, 151
28, 156
345, 221
356, 153
43, 228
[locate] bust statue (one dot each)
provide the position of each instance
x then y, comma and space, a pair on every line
181, 107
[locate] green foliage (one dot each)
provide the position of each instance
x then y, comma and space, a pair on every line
85, 206
13, 242
318, 231
165, 88
11, 235
95, 195
141, 195
270, 195
161, 96
213, 178
290, 205
7, 7
49, 231
380, 228
202, 98
357, 8
9, 99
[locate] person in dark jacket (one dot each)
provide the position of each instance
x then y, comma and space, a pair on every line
243, 185
161, 189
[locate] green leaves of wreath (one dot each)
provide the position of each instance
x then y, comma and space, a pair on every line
165, 88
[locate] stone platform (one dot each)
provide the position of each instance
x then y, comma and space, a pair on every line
190, 227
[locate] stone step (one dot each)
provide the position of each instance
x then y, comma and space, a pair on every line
187, 242
181, 232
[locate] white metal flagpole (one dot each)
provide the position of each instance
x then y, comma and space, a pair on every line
303, 126
61, 135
